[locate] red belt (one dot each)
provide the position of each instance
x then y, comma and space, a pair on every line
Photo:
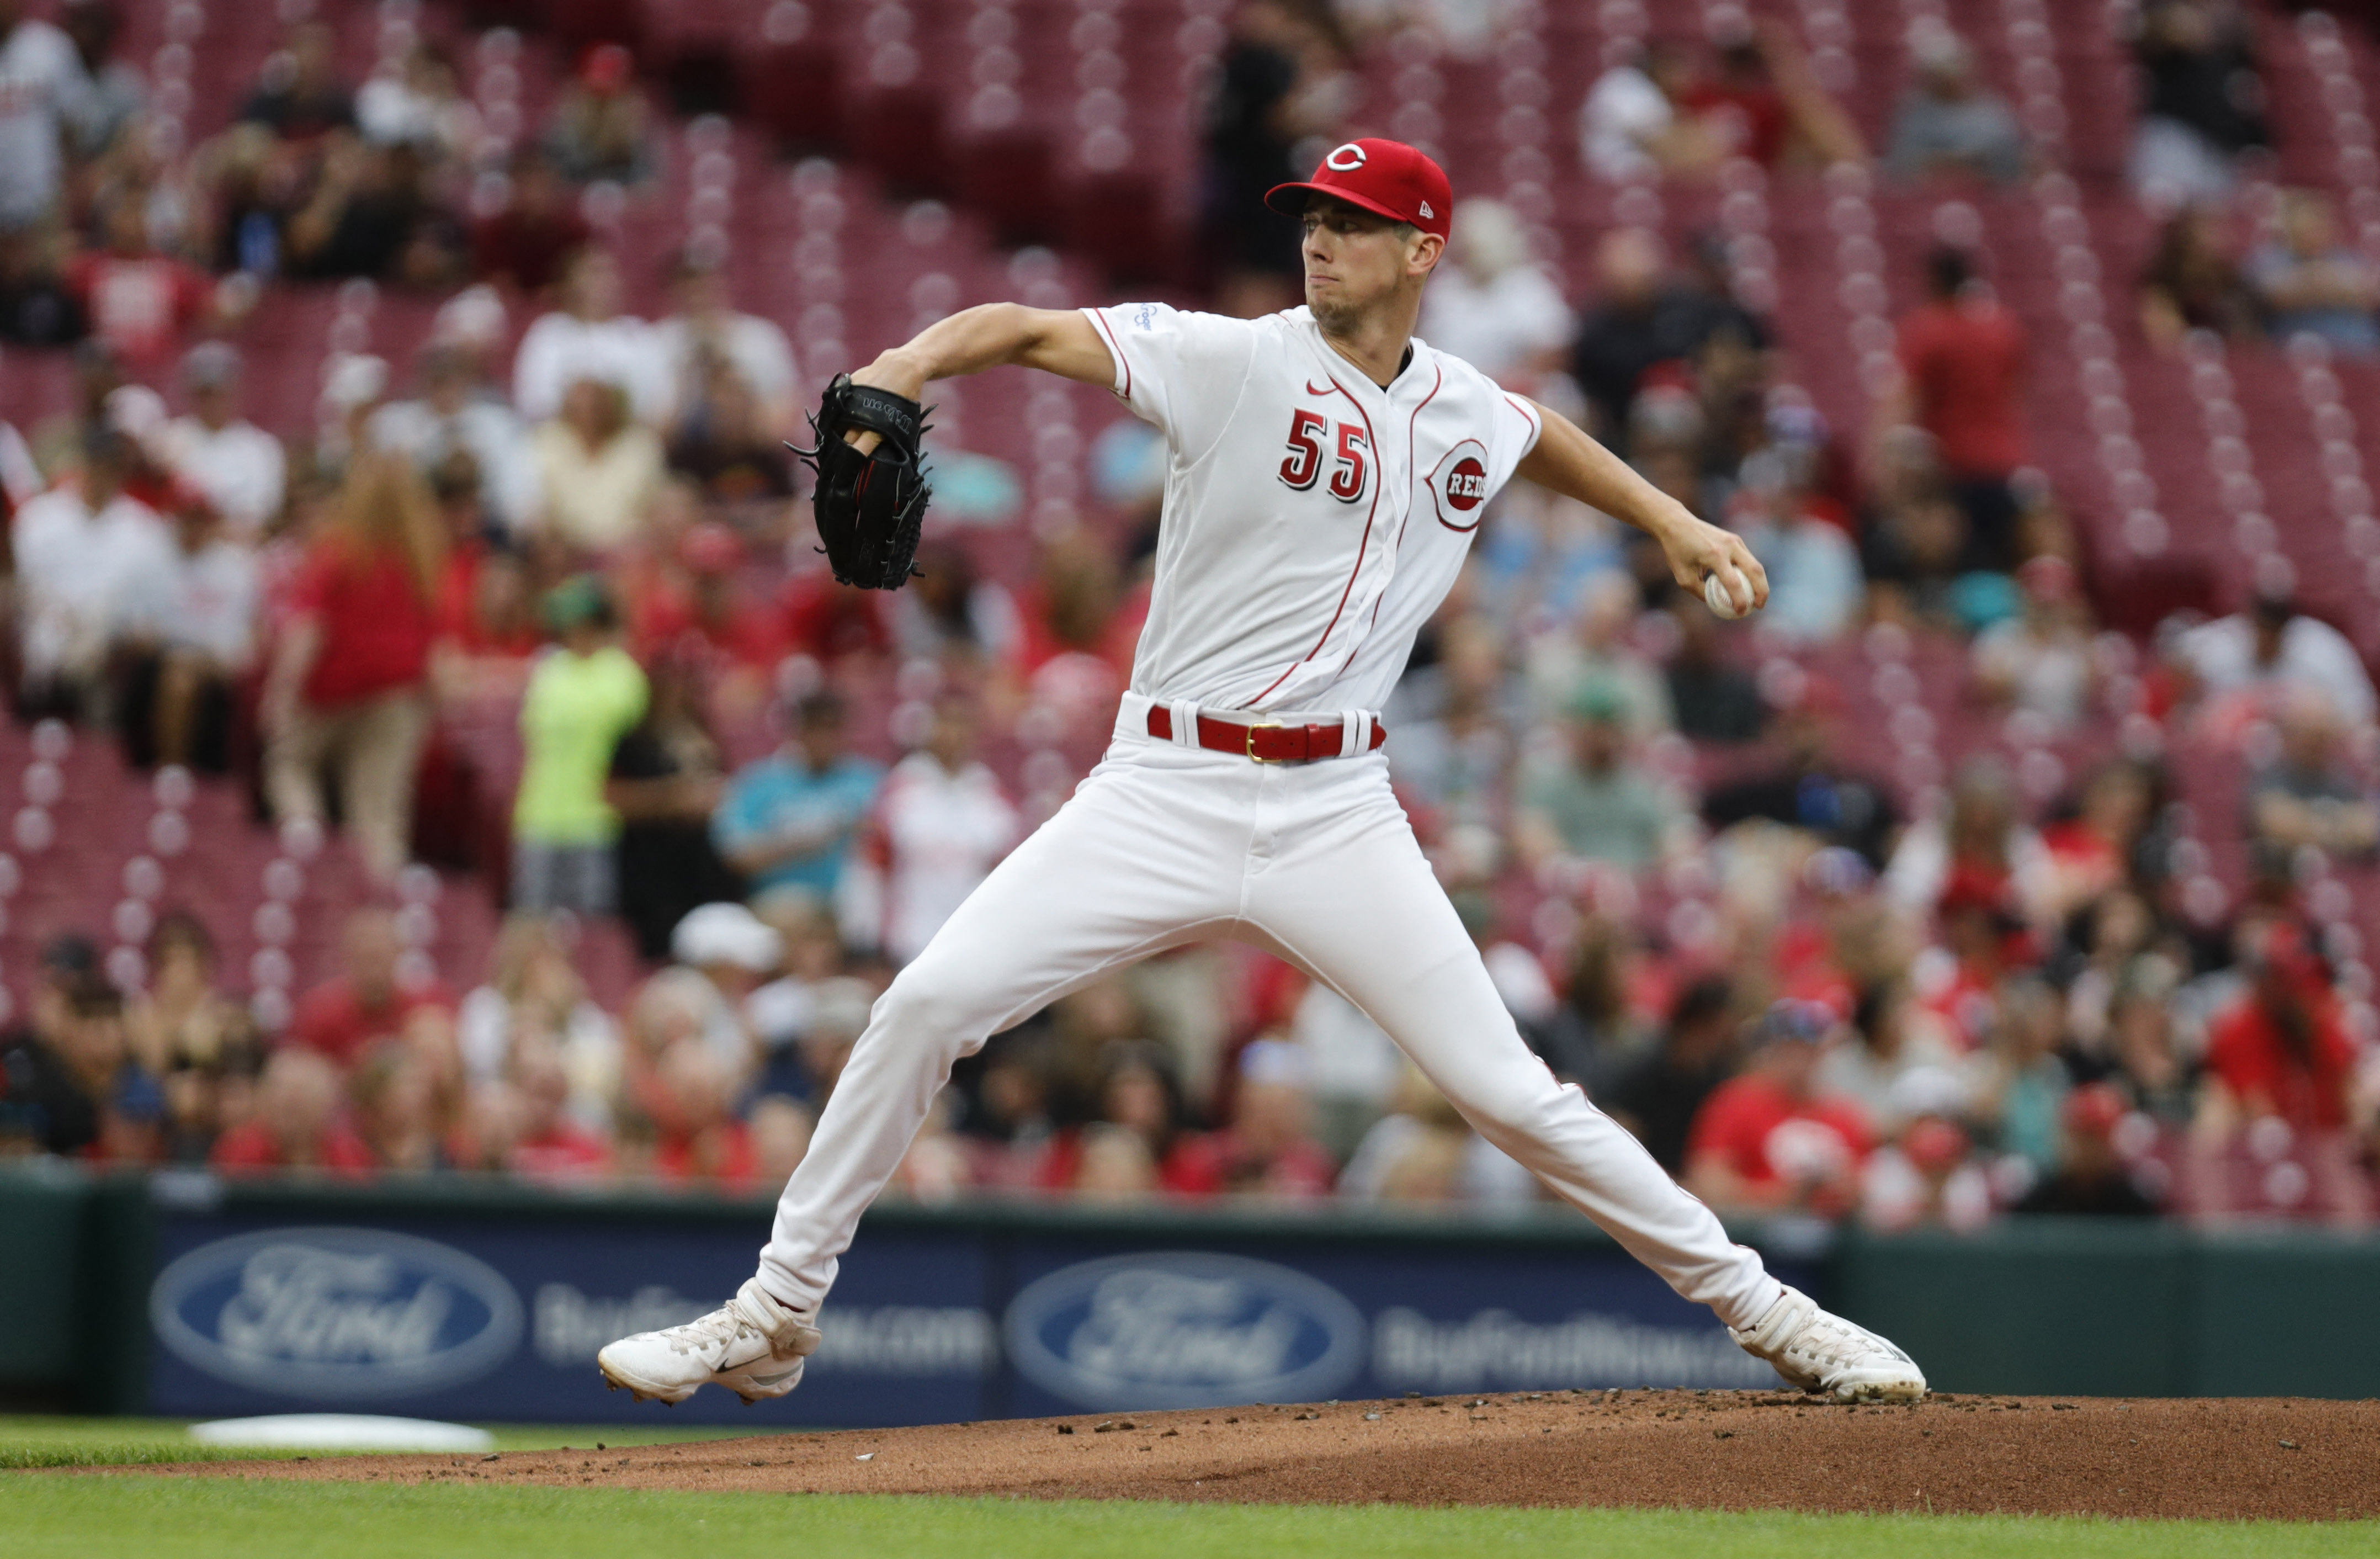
1267, 742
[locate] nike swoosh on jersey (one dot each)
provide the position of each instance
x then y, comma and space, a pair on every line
1314, 389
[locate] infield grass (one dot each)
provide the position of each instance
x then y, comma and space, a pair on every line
66, 1516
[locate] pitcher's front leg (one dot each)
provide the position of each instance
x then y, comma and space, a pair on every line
1126, 868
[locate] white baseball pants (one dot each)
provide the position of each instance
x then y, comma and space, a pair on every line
1165, 844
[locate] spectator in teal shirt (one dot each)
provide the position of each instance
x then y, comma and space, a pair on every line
787, 821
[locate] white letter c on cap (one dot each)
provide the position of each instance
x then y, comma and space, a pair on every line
1347, 159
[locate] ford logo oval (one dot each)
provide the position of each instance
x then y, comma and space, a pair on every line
1183, 1330
335, 1315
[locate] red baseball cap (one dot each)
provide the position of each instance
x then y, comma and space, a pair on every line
1386, 177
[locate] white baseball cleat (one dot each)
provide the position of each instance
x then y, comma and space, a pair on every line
752, 1344
1821, 1352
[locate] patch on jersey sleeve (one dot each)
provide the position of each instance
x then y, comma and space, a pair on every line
1458, 487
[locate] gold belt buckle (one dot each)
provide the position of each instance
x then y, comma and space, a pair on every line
1253, 727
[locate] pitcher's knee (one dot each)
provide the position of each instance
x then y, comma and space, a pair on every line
1523, 1107
927, 1007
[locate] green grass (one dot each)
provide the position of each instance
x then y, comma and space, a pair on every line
59, 1516
32, 1442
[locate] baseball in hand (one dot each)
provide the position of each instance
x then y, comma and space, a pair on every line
1714, 596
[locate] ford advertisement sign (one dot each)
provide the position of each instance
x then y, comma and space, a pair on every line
496, 1314
1173, 1329
335, 1315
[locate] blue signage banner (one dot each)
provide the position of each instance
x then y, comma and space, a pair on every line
499, 1317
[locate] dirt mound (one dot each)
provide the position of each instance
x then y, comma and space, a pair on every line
2220, 1458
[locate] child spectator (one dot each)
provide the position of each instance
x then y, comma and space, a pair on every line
534, 994
2018, 1082
392, 1113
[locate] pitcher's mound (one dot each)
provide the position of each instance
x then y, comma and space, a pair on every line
2223, 1458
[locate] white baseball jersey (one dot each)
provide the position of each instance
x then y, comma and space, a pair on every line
1313, 520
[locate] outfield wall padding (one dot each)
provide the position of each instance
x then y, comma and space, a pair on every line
184, 1295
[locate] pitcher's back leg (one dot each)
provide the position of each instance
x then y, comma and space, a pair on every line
1366, 914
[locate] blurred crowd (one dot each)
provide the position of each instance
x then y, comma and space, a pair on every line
1810, 984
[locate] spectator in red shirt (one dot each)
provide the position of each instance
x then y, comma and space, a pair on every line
367, 1001
296, 1125
1139, 1098
828, 622
137, 300
549, 1146
1269, 1148
702, 1139
349, 678
701, 608
2281, 1052
1768, 1140
1962, 362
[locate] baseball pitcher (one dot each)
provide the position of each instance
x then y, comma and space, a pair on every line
1327, 472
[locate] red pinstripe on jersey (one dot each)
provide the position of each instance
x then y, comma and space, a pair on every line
1116, 346
1411, 460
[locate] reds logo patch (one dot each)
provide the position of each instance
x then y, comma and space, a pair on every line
1459, 486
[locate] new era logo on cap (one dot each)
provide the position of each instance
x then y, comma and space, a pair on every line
1387, 177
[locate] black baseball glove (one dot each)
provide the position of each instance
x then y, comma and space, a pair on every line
870, 507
